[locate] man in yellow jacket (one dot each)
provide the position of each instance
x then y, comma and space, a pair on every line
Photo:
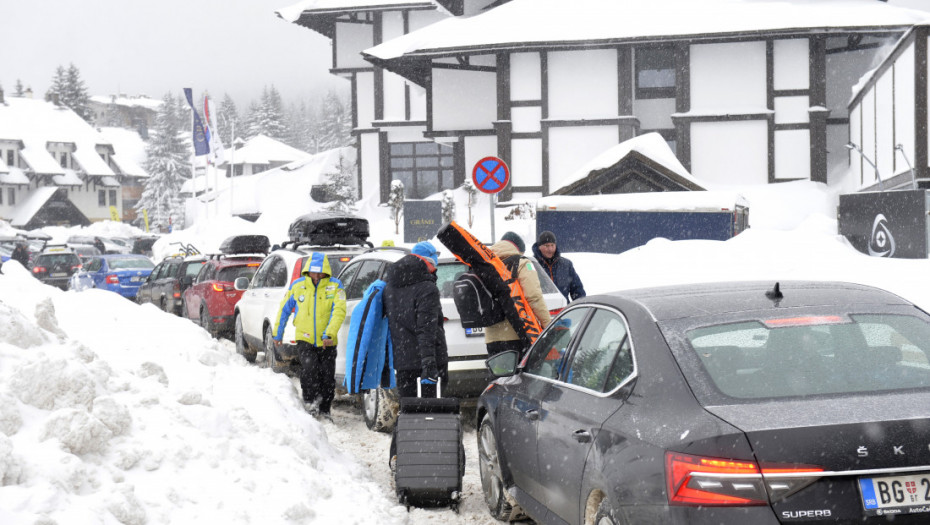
318, 302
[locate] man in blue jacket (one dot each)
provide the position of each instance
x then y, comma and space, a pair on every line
560, 269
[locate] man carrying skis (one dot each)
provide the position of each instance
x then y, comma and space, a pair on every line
318, 302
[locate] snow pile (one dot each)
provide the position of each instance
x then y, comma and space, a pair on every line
112, 412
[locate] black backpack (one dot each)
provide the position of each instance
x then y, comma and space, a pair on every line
476, 305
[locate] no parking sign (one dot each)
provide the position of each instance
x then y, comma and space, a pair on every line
490, 175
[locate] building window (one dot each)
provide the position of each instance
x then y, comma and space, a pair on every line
101, 197
655, 72
112, 197
11, 158
424, 167
64, 159
11, 193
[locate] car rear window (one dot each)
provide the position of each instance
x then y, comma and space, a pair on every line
193, 268
809, 354
231, 273
57, 258
130, 264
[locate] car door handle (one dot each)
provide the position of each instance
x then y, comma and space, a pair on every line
532, 414
582, 436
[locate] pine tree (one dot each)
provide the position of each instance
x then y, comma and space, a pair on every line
68, 86
341, 186
167, 164
300, 130
448, 207
472, 193
334, 127
396, 203
267, 116
228, 120
19, 88
58, 86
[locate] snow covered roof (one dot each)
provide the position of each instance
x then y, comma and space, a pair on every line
33, 203
132, 101
293, 12
528, 24
262, 149
650, 145
14, 176
129, 149
37, 122
68, 178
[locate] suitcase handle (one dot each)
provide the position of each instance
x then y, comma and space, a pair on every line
420, 390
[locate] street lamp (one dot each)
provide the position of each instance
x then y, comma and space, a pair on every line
900, 148
853, 146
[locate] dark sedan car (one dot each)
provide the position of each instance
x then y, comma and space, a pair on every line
168, 281
55, 266
715, 404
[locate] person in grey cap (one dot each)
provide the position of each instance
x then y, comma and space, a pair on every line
560, 270
501, 336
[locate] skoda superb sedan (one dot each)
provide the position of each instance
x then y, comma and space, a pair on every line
735, 403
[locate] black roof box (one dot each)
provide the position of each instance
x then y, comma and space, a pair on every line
245, 244
328, 228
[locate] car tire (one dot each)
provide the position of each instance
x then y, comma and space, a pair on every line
184, 308
242, 348
163, 304
205, 321
492, 480
270, 357
379, 409
604, 515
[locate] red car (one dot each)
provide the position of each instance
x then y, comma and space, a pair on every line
211, 299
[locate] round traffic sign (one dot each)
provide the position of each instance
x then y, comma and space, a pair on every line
490, 175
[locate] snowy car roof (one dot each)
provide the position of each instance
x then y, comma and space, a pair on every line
546, 23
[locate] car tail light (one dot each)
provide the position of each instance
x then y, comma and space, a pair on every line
77, 267
176, 293
300, 264
555, 312
112, 279
707, 481
809, 320
345, 259
219, 287
39, 269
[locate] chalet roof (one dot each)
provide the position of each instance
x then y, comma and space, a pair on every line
130, 150
262, 149
129, 101
36, 123
529, 24
319, 15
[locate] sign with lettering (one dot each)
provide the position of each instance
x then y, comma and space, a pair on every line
422, 219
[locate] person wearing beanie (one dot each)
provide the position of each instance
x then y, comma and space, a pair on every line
560, 270
411, 305
501, 336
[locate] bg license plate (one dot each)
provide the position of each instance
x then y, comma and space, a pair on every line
474, 331
895, 494
135, 279
59, 274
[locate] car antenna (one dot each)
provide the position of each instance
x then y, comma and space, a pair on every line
775, 294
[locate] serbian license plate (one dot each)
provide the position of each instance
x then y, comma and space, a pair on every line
474, 331
58, 274
135, 279
908, 494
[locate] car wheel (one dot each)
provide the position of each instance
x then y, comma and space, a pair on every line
242, 348
270, 357
492, 480
205, 321
603, 516
184, 308
163, 304
379, 408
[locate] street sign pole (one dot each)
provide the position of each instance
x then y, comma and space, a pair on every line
493, 209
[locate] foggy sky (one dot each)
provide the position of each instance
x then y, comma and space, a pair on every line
157, 46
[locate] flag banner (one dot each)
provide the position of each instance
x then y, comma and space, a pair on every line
213, 136
201, 146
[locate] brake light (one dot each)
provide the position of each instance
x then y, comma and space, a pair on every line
345, 259
77, 267
112, 279
39, 269
177, 290
253, 264
296, 273
707, 481
809, 320
219, 287
555, 312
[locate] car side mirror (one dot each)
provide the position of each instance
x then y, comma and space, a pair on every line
241, 283
187, 280
503, 364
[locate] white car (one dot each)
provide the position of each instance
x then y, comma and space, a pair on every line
468, 376
257, 310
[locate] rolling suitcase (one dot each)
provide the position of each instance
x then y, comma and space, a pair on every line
427, 452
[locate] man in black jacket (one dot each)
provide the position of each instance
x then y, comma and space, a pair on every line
411, 304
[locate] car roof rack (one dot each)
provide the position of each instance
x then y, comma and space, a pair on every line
186, 249
294, 244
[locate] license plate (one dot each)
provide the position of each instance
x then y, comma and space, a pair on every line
908, 494
135, 279
59, 274
474, 331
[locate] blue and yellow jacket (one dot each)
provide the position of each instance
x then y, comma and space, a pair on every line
318, 310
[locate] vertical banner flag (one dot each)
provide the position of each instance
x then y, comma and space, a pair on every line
201, 147
213, 132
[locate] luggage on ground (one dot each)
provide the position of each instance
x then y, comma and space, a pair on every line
427, 452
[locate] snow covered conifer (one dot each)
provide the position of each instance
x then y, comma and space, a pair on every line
448, 207
396, 203
228, 119
70, 90
472, 193
168, 166
341, 186
335, 123
18, 90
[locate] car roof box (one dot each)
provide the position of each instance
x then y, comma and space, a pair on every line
327, 228
245, 244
